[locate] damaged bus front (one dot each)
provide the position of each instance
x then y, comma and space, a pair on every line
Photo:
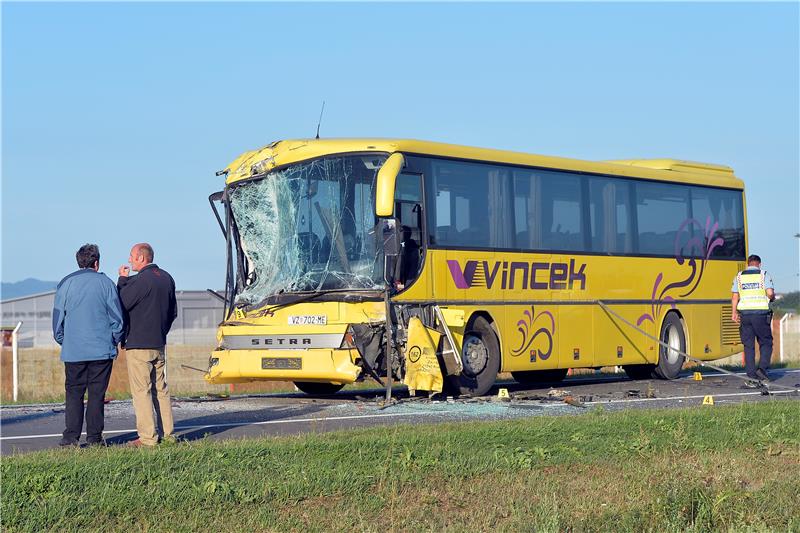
312, 265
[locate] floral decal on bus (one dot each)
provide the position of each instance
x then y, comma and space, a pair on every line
704, 243
526, 327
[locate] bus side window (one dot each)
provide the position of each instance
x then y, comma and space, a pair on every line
611, 216
722, 208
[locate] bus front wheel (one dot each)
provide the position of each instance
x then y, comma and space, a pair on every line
480, 356
318, 389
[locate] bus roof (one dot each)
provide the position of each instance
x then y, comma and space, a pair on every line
286, 152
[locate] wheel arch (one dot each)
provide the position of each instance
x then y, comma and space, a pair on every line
492, 322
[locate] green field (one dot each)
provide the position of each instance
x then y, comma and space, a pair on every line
696, 469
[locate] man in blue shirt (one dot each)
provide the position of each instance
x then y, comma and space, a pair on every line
88, 324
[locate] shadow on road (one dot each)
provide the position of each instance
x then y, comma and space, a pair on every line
208, 425
21, 419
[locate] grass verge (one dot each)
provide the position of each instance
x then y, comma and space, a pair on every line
698, 469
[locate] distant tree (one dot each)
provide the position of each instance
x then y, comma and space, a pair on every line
789, 303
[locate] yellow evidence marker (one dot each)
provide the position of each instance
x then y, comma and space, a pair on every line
502, 394
698, 376
708, 400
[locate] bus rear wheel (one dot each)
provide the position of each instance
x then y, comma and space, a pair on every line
670, 361
532, 377
318, 389
480, 356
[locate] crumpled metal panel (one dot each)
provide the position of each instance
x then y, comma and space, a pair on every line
422, 366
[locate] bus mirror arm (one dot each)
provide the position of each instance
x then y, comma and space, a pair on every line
389, 229
384, 184
217, 197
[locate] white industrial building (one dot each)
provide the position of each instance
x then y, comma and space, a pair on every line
199, 312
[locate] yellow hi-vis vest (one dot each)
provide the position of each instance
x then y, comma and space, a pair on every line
752, 293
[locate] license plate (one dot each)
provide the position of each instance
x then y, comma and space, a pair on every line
308, 320
282, 363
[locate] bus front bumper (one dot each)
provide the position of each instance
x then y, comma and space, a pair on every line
316, 365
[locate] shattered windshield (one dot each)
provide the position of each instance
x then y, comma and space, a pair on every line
310, 227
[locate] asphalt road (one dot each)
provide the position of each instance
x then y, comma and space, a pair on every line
28, 428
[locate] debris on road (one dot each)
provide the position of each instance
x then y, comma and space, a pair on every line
573, 402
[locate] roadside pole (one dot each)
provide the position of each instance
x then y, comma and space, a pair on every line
784, 320
797, 236
15, 360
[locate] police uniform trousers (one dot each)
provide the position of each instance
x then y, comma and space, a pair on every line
752, 327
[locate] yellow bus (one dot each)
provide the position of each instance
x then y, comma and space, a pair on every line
449, 264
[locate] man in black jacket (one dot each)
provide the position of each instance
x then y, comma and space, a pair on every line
148, 299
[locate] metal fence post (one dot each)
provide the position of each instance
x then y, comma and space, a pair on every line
15, 361
784, 320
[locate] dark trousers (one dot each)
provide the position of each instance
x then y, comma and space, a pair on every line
752, 327
94, 376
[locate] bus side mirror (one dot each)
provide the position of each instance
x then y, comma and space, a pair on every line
384, 188
390, 233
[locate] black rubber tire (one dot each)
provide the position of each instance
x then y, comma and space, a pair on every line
636, 372
318, 389
533, 377
666, 369
478, 384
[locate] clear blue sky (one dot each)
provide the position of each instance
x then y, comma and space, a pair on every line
115, 116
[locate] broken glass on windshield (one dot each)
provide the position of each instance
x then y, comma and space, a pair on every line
310, 227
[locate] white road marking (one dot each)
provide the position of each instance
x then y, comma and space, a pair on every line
620, 376
745, 373
235, 424
695, 397
392, 415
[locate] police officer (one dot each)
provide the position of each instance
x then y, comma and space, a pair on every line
753, 290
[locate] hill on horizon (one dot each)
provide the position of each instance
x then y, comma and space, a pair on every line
26, 287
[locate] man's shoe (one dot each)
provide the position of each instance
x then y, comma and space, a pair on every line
138, 444
762, 375
67, 443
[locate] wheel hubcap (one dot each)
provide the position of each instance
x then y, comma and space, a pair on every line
474, 355
673, 339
